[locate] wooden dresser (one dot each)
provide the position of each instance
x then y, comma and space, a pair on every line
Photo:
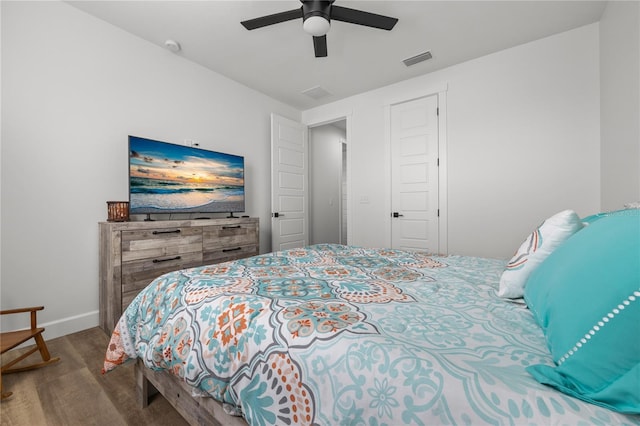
132, 254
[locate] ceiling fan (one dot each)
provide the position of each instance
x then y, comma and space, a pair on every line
317, 16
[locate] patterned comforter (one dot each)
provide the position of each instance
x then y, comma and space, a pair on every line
334, 334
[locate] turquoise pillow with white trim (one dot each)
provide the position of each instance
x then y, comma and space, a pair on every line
586, 298
594, 217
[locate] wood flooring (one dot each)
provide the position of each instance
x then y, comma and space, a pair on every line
74, 392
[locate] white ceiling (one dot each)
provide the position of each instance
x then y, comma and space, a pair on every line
279, 61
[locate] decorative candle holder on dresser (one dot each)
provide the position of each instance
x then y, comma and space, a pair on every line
117, 211
132, 254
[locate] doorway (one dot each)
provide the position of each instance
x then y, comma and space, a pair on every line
328, 183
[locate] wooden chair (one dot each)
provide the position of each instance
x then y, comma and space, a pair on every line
11, 339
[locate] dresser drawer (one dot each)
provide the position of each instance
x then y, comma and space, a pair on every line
224, 254
136, 275
230, 241
229, 236
160, 243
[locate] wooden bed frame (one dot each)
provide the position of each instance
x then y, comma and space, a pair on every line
195, 410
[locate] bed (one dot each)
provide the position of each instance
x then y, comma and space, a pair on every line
331, 334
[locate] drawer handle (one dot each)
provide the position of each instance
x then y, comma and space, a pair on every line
175, 231
166, 260
233, 249
232, 227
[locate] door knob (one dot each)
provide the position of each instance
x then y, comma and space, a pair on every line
396, 214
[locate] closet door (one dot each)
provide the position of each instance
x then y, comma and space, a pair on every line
414, 174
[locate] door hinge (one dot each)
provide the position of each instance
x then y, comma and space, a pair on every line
437, 110
438, 212
438, 162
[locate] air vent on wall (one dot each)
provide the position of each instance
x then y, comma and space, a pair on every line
418, 58
316, 92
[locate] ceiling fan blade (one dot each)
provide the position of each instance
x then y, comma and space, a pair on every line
320, 46
359, 17
276, 18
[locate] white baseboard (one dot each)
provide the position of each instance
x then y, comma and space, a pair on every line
64, 326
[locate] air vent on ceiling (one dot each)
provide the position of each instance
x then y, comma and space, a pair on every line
316, 92
418, 58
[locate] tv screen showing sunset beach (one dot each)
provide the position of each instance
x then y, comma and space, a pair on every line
170, 178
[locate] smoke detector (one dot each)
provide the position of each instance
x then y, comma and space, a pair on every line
172, 45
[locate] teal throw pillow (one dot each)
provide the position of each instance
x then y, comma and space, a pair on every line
586, 298
588, 220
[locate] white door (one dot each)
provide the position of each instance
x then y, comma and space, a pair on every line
289, 184
414, 175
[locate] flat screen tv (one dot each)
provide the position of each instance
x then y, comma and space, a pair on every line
171, 178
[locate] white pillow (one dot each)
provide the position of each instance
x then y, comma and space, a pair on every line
535, 249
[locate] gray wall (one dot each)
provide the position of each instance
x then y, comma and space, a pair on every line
620, 103
73, 88
522, 143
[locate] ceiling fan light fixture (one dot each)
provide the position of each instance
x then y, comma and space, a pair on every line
316, 20
316, 26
